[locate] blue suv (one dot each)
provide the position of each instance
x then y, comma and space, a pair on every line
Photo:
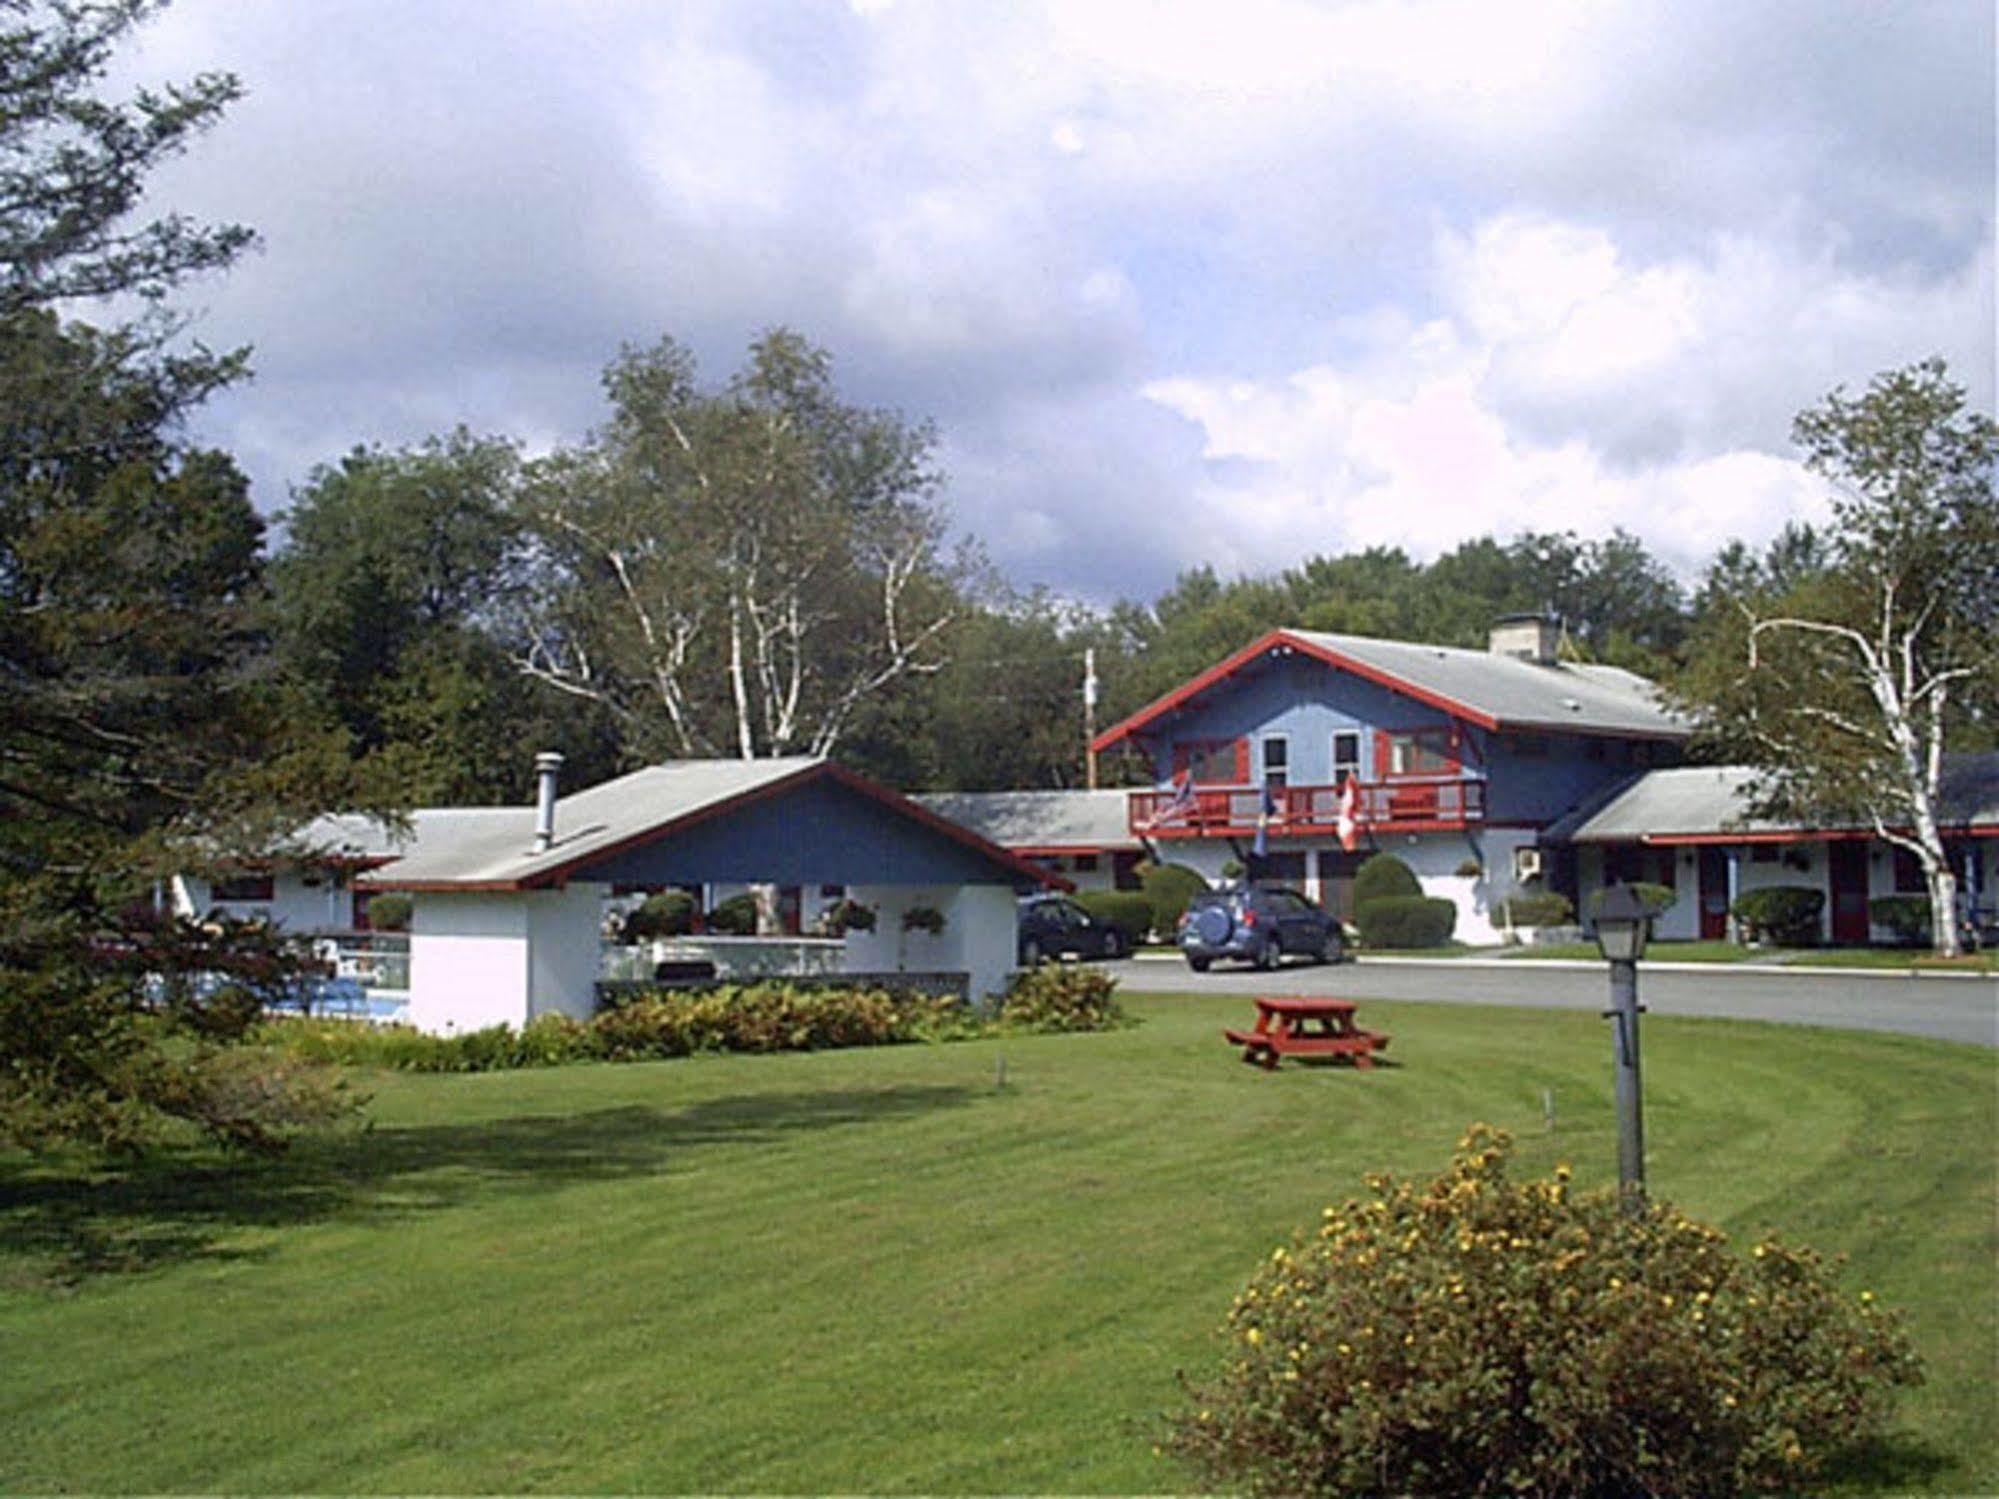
1258, 927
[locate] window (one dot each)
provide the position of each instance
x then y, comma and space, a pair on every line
1084, 863
243, 887
1427, 752
1213, 762
1276, 760
1909, 874
1346, 755
1763, 853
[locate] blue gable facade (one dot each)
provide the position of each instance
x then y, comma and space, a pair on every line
1254, 754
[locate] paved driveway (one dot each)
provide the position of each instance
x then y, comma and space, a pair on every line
1942, 1008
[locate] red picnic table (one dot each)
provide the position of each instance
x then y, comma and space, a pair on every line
1304, 1026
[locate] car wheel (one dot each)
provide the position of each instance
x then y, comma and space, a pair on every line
1114, 946
1199, 965
1030, 954
1268, 956
1329, 950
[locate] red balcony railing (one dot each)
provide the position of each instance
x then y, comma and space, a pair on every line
1385, 806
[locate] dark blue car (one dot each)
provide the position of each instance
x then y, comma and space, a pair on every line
1260, 927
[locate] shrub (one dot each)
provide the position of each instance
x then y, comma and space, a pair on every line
1405, 921
1127, 910
1784, 914
1534, 908
667, 913
1907, 917
1062, 997
735, 917
923, 919
1168, 888
1656, 900
389, 912
846, 915
1383, 876
1475, 1334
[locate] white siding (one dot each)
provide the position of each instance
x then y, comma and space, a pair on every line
564, 948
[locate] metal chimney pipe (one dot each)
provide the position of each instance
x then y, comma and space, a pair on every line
546, 765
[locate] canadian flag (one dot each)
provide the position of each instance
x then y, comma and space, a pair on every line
1348, 825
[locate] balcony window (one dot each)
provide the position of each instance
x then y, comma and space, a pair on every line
1213, 762
1426, 752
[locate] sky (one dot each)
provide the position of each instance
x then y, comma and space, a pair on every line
1178, 284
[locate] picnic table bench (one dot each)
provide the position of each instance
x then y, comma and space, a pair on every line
1303, 1026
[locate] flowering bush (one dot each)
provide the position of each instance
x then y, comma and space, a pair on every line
1061, 997
1475, 1334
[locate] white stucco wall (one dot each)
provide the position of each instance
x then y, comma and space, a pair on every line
468, 961
978, 939
564, 949
325, 905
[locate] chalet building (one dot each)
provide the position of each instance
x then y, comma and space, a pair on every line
1303, 753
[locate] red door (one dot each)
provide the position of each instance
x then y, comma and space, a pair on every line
1714, 894
1848, 859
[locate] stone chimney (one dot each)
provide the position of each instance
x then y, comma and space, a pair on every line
547, 765
1526, 637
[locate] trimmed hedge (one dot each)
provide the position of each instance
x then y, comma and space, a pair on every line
759, 1017
1383, 876
1127, 910
1405, 921
1167, 889
389, 912
1784, 914
667, 913
735, 917
1655, 899
1534, 908
1906, 916
1483, 1334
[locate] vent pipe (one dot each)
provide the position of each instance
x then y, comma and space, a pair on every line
546, 765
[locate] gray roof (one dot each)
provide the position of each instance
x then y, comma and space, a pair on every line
1082, 820
1709, 801
1513, 692
495, 846
363, 838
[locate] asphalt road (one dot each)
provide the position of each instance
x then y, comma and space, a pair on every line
1942, 1008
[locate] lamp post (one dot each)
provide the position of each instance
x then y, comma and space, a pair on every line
1621, 919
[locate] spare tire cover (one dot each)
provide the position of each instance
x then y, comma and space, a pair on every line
1211, 925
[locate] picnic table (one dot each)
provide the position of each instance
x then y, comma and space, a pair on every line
1304, 1026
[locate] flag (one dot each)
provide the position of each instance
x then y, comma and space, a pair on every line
1182, 801
1348, 825
1263, 817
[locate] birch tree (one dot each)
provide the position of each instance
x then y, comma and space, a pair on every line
736, 571
1847, 685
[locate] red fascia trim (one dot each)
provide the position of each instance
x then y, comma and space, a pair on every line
558, 875
1064, 850
1802, 835
1128, 727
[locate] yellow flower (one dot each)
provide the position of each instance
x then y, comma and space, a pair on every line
1866, 1297
1562, 1171
1253, 1336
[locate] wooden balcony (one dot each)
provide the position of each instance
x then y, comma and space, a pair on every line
1411, 806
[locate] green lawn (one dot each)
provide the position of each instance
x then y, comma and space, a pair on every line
876, 1270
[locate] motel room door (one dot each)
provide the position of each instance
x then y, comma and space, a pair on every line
1713, 893
1848, 860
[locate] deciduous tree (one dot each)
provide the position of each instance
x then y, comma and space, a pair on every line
1846, 674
